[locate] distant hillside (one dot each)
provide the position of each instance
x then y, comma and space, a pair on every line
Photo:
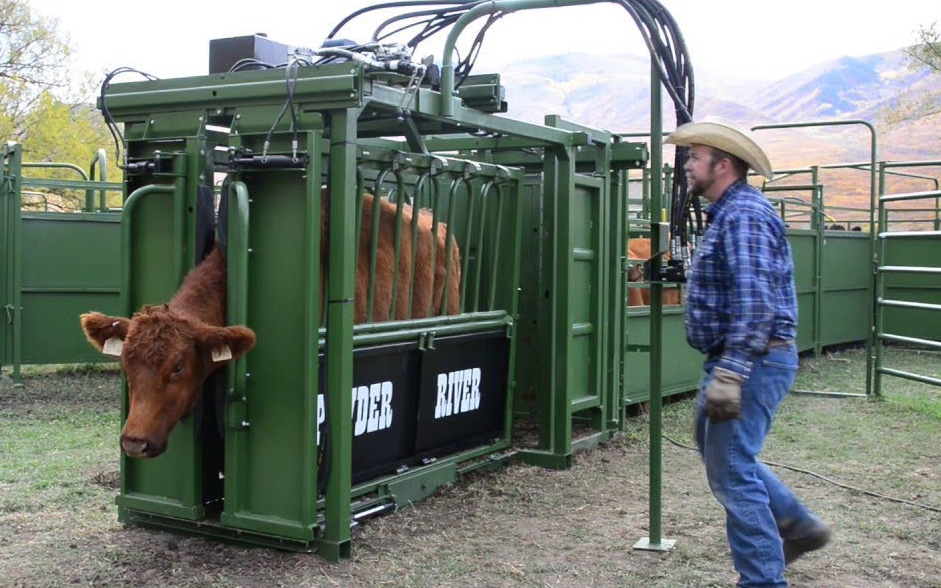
612, 92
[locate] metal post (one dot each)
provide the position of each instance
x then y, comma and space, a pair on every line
236, 314
341, 275
655, 542
819, 218
874, 351
15, 258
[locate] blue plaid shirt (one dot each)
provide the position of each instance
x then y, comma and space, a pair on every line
741, 285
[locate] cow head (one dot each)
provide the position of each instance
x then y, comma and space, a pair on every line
166, 357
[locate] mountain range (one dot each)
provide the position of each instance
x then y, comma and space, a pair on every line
612, 92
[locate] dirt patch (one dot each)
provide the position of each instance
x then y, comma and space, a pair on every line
110, 479
529, 527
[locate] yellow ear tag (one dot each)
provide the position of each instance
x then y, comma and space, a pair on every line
113, 346
221, 354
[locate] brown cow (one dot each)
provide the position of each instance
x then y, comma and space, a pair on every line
640, 249
168, 351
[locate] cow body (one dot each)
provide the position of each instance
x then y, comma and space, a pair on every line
640, 249
168, 351
424, 281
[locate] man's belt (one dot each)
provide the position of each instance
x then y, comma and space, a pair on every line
717, 351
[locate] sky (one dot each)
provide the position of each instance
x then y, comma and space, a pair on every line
734, 39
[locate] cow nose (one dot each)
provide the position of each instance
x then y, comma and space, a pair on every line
134, 447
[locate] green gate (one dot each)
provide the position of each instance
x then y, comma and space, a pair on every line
56, 266
908, 288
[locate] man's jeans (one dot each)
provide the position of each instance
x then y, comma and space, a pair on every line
756, 502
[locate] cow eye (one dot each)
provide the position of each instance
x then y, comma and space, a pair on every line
178, 369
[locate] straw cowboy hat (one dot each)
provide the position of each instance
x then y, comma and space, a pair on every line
723, 135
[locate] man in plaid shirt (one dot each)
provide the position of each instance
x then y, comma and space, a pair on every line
741, 311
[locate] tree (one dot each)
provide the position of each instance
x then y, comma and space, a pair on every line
925, 101
43, 104
33, 57
927, 49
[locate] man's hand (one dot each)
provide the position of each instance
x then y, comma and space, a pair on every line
724, 395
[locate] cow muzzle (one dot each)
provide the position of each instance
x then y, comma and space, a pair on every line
138, 447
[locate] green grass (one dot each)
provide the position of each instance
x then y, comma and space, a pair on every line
530, 526
58, 437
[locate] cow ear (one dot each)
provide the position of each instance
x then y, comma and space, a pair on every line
100, 329
225, 343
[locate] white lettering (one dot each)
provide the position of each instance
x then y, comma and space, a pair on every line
442, 396
361, 402
371, 409
385, 414
372, 424
475, 388
458, 392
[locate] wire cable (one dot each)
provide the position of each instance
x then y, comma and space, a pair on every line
116, 134
828, 480
660, 33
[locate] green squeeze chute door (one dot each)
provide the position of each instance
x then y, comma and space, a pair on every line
271, 473
170, 484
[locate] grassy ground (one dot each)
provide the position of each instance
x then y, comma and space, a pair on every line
522, 526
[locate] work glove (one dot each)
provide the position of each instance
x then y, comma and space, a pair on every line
724, 395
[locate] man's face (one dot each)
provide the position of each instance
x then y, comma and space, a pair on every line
700, 170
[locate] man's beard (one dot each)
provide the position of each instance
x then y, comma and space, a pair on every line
698, 187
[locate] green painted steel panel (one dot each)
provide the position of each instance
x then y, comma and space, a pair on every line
682, 365
585, 286
806, 332
75, 253
847, 264
52, 332
803, 250
533, 301
844, 317
845, 277
276, 407
170, 479
70, 265
914, 252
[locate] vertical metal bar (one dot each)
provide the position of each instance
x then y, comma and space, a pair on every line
497, 241
656, 309
16, 251
452, 200
236, 314
468, 228
511, 275
621, 336
374, 244
819, 217
101, 162
416, 211
336, 540
874, 363
478, 266
645, 204
360, 203
399, 215
311, 319
7, 176
180, 163
563, 174
435, 206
